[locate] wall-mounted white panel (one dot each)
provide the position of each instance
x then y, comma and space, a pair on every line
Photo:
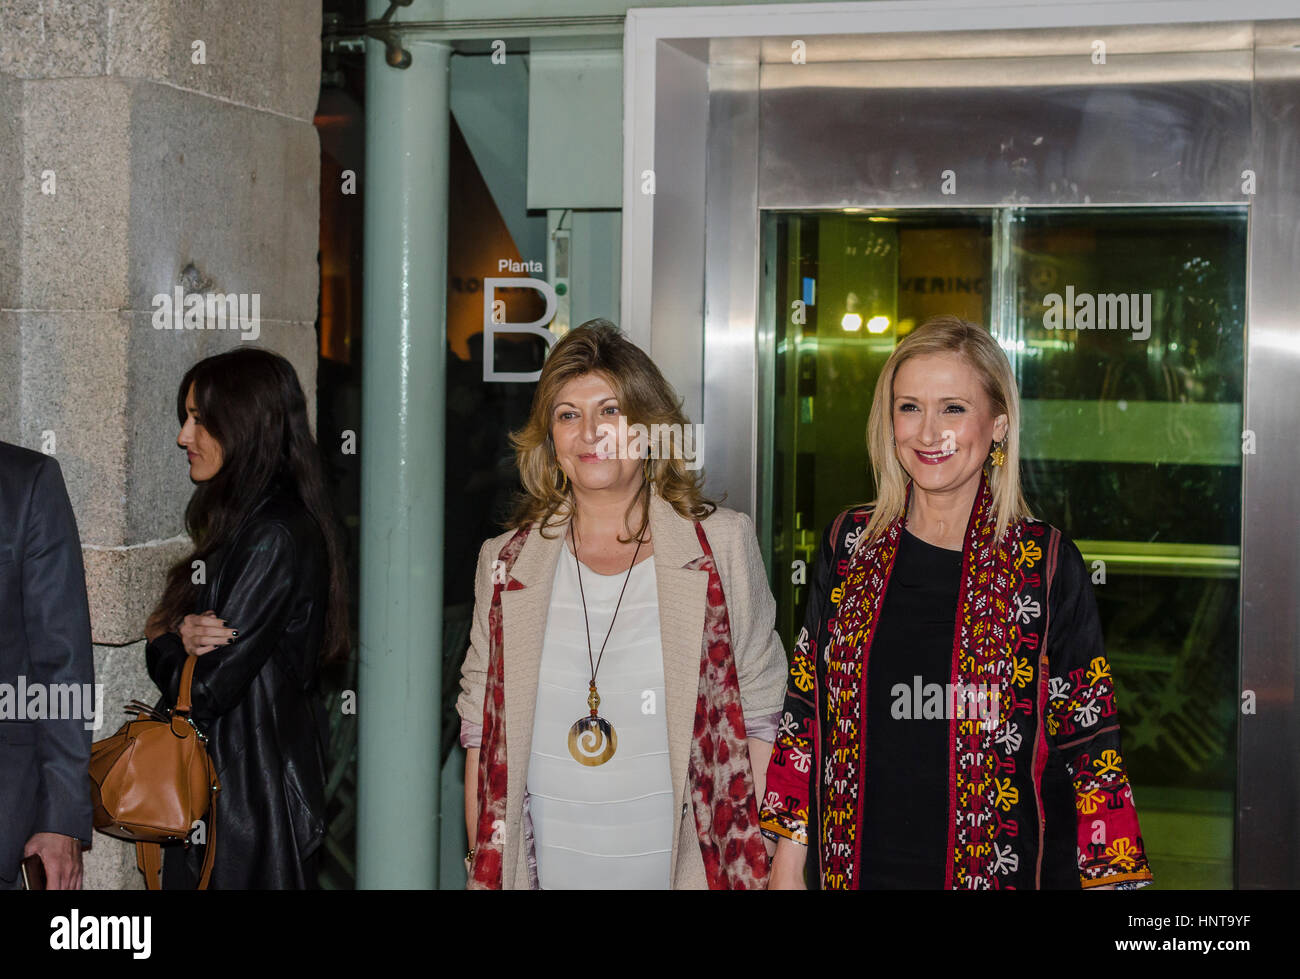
575, 129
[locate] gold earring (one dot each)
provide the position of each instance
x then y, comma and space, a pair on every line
649, 471
997, 456
564, 481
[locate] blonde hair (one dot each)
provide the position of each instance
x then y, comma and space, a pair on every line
644, 397
974, 344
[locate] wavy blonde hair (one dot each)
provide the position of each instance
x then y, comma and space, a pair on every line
644, 397
974, 344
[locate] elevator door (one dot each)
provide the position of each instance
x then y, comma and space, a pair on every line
1132, 441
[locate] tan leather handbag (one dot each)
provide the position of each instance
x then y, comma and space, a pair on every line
153, 779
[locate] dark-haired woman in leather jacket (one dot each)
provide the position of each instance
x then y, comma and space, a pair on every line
264, 612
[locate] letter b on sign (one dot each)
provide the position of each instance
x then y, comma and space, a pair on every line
492, 328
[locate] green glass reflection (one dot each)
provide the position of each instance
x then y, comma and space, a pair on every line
849, 287
1131, 435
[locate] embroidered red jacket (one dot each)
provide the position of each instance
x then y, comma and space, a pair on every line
1027, 622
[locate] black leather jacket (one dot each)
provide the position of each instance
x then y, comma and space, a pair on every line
257, 701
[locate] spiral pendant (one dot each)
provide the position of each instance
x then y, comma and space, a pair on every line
592, 740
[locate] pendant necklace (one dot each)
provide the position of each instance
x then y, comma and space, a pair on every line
592, 740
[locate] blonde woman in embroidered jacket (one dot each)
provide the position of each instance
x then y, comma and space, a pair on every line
950, 720
622, 669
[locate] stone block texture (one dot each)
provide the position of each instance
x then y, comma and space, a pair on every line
110, 862
248, 52
145, 144
11, 176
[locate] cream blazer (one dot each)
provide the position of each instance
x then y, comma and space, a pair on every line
760, 659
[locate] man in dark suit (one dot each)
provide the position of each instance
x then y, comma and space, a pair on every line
45, 655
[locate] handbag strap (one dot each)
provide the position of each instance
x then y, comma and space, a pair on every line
187, 679
148, 857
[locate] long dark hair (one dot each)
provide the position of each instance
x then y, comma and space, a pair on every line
250, 401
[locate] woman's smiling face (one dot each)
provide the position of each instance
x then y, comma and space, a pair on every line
943, 422
584, 427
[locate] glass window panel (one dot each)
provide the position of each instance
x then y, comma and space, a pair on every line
1133, 448
849, 286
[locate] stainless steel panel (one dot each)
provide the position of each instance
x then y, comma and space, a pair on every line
677, 277
731, 288
1039, 142
1268, 828
1003, 44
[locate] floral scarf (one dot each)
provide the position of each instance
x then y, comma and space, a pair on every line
719, 773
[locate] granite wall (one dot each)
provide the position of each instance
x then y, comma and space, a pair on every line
144, 145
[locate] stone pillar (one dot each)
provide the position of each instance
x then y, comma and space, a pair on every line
144, 145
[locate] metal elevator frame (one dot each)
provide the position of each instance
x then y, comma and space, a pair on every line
718, 113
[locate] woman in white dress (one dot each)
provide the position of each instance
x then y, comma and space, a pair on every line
622, 668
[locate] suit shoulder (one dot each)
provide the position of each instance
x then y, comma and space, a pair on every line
1042, 531
849, 520
860, 512
493, 545
1071, 570
728, 529
726, 517
25, 462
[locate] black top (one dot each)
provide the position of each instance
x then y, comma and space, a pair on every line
905, 809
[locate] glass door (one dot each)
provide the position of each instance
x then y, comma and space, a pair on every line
1131, 436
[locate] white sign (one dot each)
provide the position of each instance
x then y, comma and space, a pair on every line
494, 322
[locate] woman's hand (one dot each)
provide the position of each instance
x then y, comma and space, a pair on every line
203, 633
787, 867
